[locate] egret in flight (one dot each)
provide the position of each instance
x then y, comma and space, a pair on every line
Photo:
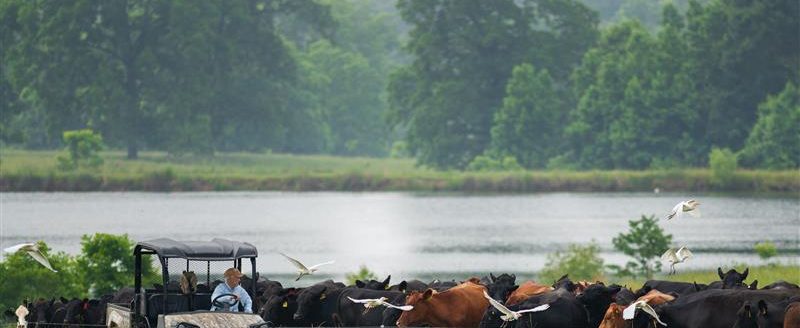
302, 270
32, 250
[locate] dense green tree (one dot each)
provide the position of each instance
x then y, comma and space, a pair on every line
645, 241
740, 52
464, 52
528, 126
774, 142
350, 99
611, 84
106, 263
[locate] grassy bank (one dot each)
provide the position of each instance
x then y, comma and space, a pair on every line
765, 275
22, 170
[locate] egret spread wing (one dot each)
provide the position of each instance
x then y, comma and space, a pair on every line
15, 248
361, 301
539, 308
321, 264
497, 305
402, 308
296, 263
684, 253
652, 312
669, 255
676, 211
41, 259
630, 311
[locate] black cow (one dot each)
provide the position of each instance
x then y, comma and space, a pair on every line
715, 307
441, 286
39, 312
780, 284
596, 298
680, 288
350, 314
564, 283
124, 295
499, 288
316, 305
374, 284
730, 280
278, 310
565, 311
409, 286
625, 296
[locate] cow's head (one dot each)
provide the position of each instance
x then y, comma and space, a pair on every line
309, 301
418, 315
40, 311
374, 284
565, 283
746, 317
500, 290
613, 317
280, 308
732, 278
597, 298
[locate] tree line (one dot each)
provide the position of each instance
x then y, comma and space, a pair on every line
504, 84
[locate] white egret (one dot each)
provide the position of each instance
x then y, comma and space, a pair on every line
689, 206
375, 302
508, 314
630, 311
674, 256
302, 270
32, 250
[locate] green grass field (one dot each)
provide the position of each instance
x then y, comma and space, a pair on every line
765, 275
24, 170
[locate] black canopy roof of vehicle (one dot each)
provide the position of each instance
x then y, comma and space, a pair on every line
215, 250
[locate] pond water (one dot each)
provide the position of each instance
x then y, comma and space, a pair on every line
408, 235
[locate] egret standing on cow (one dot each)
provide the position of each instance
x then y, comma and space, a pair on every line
32, 250
676, 256
302, 270
689, 206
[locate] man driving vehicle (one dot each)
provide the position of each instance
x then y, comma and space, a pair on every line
228, 295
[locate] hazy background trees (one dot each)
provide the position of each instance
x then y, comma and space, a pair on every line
559, 84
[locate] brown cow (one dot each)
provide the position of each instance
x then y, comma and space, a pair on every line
525, 291
460, 306
792, 317
613, 316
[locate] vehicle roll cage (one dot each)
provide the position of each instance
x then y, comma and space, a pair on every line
209, 251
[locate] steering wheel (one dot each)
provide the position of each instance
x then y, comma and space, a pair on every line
225, 305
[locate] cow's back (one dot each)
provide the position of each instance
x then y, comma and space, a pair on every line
714, 308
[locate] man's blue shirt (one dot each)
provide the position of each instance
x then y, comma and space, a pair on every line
244, 298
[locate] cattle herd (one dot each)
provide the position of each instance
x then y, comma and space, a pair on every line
729, 302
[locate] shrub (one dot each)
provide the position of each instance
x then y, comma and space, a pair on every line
363, 274
723, 164
765, 250
645, 241
580, 262
83, 147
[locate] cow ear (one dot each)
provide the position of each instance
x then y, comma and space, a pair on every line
744, 274
360, 284
754, 285
719, 272
427, 295
492, 277
762, 308
513, 277
386, 281
402, 286
64, 300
